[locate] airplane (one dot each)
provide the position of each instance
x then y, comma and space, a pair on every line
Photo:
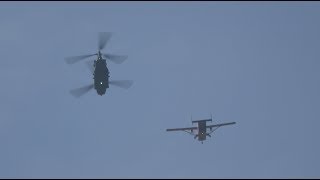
99, 69
202, 129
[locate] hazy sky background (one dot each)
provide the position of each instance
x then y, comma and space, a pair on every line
255, 63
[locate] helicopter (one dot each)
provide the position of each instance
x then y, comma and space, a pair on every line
99, 69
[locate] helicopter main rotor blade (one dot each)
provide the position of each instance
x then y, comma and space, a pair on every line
104, 37
74, 59
126, 84
118, 59
81, 91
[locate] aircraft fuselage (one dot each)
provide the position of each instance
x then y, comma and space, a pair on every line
101, 76
202, 131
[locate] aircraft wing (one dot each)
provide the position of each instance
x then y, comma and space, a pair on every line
183, 129
218, 125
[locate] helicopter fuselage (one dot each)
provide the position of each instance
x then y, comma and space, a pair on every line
101, 76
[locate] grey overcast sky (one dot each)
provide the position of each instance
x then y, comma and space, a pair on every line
255, 63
